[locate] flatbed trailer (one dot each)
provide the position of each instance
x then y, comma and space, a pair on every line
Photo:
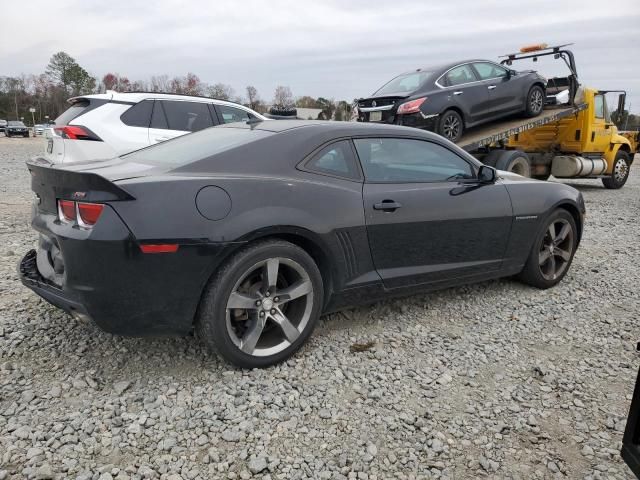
498, 132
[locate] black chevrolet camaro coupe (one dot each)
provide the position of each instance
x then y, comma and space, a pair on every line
247, 233
447, 99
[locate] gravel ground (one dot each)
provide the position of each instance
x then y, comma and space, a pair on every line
492, 380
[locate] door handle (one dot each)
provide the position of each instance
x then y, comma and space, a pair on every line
162, 139
491, 87
387, 206
459, 92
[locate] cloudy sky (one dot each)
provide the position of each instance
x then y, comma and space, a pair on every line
332, 48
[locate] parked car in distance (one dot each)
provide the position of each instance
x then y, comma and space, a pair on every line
16, 128
3, 125
96, 127
448, 99
233, 230
38, 129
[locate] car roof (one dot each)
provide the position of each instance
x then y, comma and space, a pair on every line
337, 128
446, 66
139, 96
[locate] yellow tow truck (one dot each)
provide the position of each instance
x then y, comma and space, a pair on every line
574, 137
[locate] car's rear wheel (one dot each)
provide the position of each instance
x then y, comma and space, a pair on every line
552, 251
619, 173
451, 125
262, 305
535, 101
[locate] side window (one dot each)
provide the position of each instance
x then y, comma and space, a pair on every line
335, 159
138, 115
460, 75
231, 114
487, 70
158, 118
598, 104
187, 116
399, 160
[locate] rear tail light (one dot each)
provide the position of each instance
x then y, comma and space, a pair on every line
76, 132
86, 214
89, 213
67, 210
411, 107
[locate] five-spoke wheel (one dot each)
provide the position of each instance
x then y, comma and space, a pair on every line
556, 249
262, 305
552, 251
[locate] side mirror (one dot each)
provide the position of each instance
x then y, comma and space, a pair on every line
487, 174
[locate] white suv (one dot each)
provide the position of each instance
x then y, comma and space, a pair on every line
107, 125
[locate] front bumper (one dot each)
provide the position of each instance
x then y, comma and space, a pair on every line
17, 132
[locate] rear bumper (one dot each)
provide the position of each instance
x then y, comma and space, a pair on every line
31, 278
106, 277
415, 120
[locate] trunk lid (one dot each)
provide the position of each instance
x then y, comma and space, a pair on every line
50, 184
379, 108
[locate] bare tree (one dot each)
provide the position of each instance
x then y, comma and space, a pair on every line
220, 91
252, 97
283, 97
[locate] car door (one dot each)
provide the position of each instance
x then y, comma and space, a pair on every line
172, 118
427, 219
466, 92
505, 91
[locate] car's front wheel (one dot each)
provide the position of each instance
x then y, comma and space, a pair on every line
451, 125
261, 306
552, 251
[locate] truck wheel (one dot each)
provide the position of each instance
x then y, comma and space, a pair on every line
620, 172
535, 101
515, 161
451, 125
552, 251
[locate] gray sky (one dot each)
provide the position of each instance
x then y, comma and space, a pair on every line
334, 48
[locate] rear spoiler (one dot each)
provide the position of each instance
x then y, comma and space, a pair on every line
51, 183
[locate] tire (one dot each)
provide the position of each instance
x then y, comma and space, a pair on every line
515, 161
619, 173
535, 101
26, 136
451, 125
251, 336
546, 266
8, 135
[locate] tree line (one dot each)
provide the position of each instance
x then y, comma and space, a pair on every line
64, 78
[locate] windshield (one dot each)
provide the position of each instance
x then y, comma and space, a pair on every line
195, 146
13, 123
407, 83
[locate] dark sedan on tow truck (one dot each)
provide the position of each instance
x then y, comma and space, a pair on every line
448, 99
248, 232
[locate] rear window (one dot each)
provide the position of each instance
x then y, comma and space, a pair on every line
195, 146
406, 83
72, 112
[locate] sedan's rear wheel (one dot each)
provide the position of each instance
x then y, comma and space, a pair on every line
535, 101
451, 125
552, 252
262, 305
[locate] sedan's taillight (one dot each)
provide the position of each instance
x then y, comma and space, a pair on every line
411, 107
76, 132
86, 214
